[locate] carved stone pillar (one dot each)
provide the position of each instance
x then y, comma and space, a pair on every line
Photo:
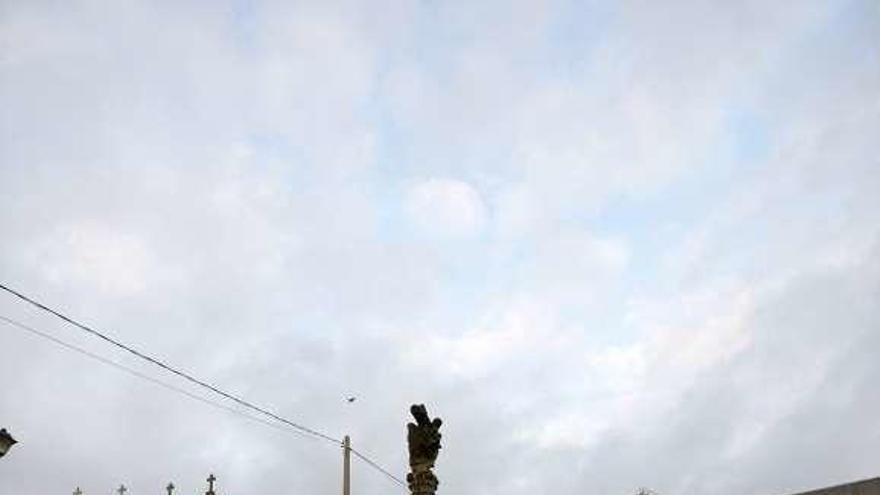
421, 481
423, 438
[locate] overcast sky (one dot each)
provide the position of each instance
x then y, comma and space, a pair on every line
611, 244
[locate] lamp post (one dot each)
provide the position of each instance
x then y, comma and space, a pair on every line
6, 441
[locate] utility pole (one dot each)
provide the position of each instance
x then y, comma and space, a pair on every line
346, 466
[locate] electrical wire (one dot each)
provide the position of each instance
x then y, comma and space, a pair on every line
171, 369
186, 393
148, 378
378, 468
303, 430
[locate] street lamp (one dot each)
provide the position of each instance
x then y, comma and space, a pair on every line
6, 441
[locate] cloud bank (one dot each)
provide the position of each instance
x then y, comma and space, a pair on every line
611, 244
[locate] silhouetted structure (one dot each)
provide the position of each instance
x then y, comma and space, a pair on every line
423, 438
211, 480
6, 441
863, 487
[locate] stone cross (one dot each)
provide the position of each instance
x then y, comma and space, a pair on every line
121, 490
211, 480
169, 488
77, 491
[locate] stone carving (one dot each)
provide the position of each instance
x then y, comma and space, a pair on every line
211, 480
423, 438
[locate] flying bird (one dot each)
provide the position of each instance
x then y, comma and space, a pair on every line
350, 399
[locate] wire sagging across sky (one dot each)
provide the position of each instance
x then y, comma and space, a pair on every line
146, 377
304, 430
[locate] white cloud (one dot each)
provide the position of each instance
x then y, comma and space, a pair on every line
220, 185
502, 335
91, 254
446, 208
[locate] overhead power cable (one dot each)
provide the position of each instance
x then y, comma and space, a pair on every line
182, 374
149, 378
303, 430
378, 468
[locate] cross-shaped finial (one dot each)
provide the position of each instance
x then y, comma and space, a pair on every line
169, 488
211, 480
121, 490
77, 491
